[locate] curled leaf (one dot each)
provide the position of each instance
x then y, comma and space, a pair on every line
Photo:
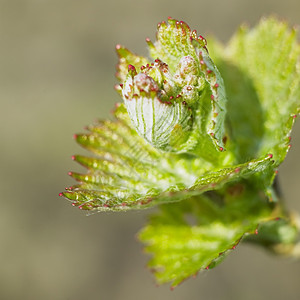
177, 103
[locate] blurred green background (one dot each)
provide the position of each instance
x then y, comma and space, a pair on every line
57, 68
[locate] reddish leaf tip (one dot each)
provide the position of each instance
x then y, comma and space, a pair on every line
131, 67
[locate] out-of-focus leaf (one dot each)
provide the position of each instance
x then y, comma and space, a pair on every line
193, 235
274, 233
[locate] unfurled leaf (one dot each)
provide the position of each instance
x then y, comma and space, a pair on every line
269, 57
196, 234
261, 71
133, 175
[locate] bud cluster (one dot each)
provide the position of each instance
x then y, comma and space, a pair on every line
178, 99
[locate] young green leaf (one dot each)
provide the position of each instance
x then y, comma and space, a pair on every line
196, 234
261, 71
128, 173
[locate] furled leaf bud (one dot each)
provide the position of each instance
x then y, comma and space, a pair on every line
177, 103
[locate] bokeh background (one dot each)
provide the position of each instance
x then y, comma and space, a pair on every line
57, 68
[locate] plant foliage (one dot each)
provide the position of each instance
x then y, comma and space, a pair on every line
201, 133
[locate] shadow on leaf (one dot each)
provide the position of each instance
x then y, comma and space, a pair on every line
245, 117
